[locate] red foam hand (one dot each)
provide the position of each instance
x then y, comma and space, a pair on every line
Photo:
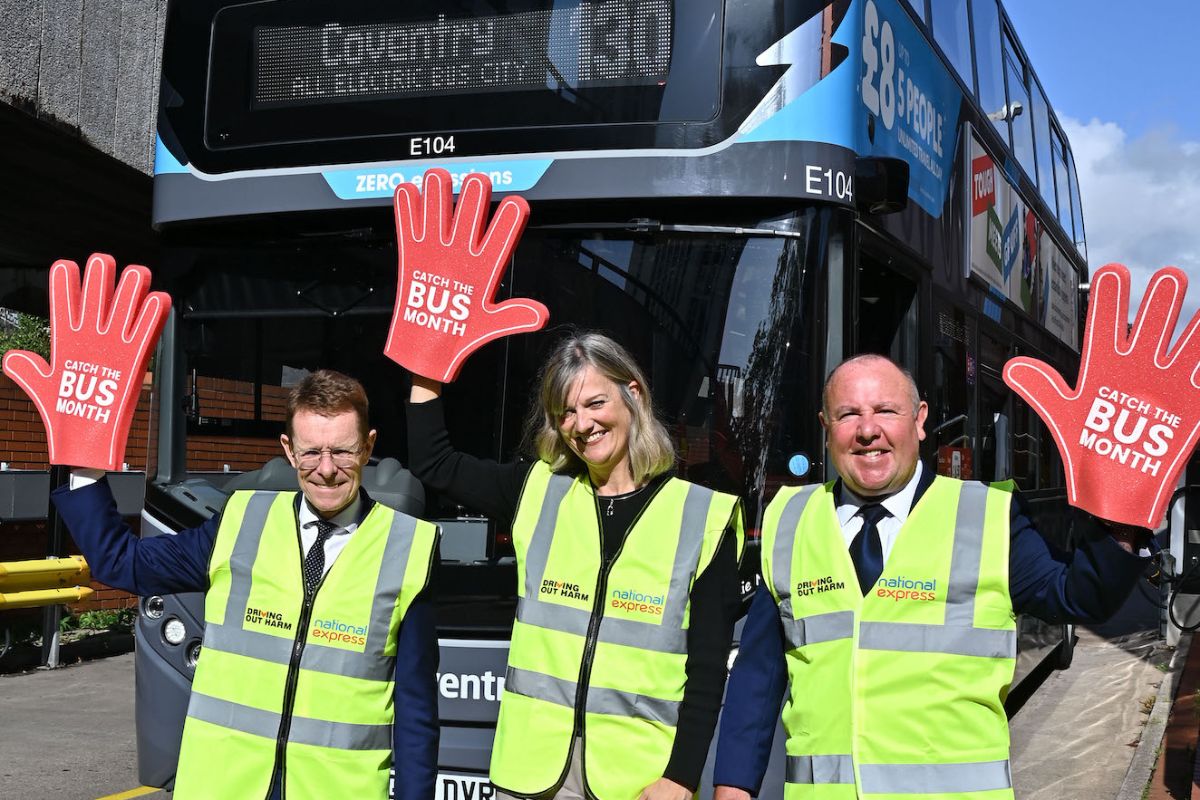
99, 347
1127, 428
449, 269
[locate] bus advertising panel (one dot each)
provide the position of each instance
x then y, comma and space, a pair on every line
995, 233
911, 101
1060, 287
1014, 254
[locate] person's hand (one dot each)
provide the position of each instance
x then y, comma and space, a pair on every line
1126, 430
665, 789
99, 347
1129, 538
448, 273
730, 793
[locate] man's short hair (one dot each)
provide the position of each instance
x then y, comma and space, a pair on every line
328, 393
914, 394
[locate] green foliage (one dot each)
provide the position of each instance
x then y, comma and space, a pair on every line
101, 619
30, 333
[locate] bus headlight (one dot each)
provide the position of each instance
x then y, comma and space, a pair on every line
193, 654
154, 607
174, 631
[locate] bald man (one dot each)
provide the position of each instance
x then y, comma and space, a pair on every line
888, 605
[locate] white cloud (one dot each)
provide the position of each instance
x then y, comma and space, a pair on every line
1141, 202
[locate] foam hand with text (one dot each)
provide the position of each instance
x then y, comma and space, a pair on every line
1128, 427
449, 269
100, 344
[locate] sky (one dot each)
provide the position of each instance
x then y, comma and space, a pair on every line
1122, 79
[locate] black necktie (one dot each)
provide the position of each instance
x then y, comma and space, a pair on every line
314, 562
866, 551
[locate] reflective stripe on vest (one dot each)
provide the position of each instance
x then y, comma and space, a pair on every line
599, 699
900, 778
958, 635
832, 626
820, 769
320, 733
935, 778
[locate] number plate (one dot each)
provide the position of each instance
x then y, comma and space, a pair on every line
463, 787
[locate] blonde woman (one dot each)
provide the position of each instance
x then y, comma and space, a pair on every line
627, 584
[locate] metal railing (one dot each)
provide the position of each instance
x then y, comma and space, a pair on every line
44, 582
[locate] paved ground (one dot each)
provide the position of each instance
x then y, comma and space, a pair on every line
67, 734
1075, 737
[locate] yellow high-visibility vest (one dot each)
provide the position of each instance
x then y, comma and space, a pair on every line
900, 692
601, 653
305, 686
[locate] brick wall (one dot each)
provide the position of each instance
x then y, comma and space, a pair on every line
223, 398
230, 399
21, 541
23, 446
22, 442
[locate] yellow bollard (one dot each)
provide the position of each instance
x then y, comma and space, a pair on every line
46, 573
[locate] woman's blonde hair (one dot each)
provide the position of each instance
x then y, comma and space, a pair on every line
650, 449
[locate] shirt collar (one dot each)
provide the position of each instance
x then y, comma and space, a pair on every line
346, 520
898, 504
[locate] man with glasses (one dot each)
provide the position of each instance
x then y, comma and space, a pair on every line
317, 620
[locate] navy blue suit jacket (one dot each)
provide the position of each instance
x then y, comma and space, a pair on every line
179, 563
1088, 586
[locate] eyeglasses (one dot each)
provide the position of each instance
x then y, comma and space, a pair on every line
341, 458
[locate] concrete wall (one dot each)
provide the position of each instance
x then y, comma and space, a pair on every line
88, 67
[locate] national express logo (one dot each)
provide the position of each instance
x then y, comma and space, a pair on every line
333, 630
268, 619
563, 589
630, 600
902, 588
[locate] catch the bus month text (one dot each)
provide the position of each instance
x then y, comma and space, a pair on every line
431, 297
1142, 430
87, 390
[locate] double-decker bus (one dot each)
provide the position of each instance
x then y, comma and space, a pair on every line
744, 192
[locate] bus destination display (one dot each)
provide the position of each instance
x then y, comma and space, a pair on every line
609, 43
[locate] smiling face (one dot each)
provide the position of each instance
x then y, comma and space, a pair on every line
595, 424
872, 429
329, 486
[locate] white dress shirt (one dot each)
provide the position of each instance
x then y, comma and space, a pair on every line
898, 505
346, 521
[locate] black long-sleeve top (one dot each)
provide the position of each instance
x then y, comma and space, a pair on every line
493, 489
